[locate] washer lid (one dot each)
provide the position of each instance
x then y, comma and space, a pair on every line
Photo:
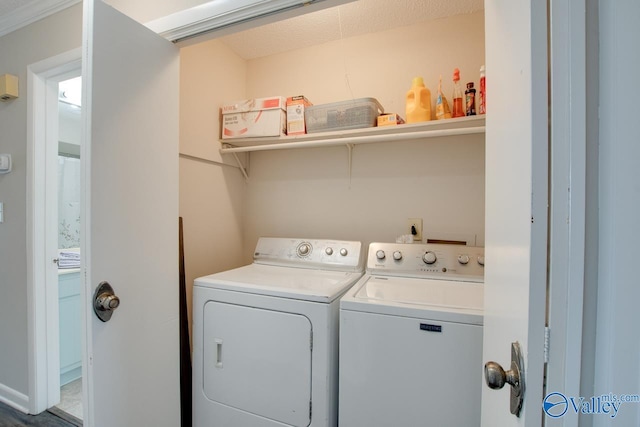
442, 299
286, 282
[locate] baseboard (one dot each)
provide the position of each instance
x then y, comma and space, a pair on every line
14, 398
70, 375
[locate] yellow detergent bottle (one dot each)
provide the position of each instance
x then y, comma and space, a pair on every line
418, 102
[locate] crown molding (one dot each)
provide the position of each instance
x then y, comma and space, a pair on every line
31, 12
223, 17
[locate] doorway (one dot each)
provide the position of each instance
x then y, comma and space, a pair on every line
56, 291
69, 281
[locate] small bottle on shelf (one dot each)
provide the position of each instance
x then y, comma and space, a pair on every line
458, 110
470, 98
442, 106
482, 101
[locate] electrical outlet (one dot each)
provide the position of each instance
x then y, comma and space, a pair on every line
414, 226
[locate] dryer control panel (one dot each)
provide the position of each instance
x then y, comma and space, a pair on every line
436, 261
340, 255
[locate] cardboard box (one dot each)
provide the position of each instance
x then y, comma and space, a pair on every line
254, 118
390, 119
295, 114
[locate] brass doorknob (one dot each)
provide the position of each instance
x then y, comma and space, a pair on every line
496, 377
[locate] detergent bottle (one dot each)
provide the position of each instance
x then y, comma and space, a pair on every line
418, 102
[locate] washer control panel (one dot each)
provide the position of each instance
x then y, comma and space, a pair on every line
431, 260
312, 253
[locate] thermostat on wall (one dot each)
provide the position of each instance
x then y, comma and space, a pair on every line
5, 163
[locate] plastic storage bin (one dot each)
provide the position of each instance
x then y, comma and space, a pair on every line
352, 114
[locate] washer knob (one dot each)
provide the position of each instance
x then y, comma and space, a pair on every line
397, 255
429, 257
380, 254
328, 251
304, 249
344, 252
463, 259
481, 260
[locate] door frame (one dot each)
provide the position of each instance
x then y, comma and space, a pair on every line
39, 297
42, 229
567, 199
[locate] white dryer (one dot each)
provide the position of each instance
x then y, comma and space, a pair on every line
411, 338
265, 336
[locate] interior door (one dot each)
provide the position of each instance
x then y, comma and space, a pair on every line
515, 202
130, 88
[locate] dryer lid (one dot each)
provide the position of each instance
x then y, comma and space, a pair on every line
285, 282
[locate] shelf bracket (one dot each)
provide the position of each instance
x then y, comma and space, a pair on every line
242, 168
350, 148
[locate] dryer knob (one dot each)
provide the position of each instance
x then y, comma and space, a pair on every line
481, 260
429, 257
463, 259
304, 249
397, 255
329, 251
344, 252
380, 254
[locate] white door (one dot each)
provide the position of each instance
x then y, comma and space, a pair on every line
516, 201
130, 107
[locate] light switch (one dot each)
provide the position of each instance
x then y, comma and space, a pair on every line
5, 163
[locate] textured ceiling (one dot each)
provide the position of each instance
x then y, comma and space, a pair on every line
358, 17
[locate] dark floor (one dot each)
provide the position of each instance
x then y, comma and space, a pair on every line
10, 417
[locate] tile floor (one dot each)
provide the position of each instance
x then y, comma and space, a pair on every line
71, 398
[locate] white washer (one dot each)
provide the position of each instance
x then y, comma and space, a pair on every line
411, 338
265, 336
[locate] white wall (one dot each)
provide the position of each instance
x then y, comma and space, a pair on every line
211, 188
617, 345
379, 65
309, 192
43, 39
